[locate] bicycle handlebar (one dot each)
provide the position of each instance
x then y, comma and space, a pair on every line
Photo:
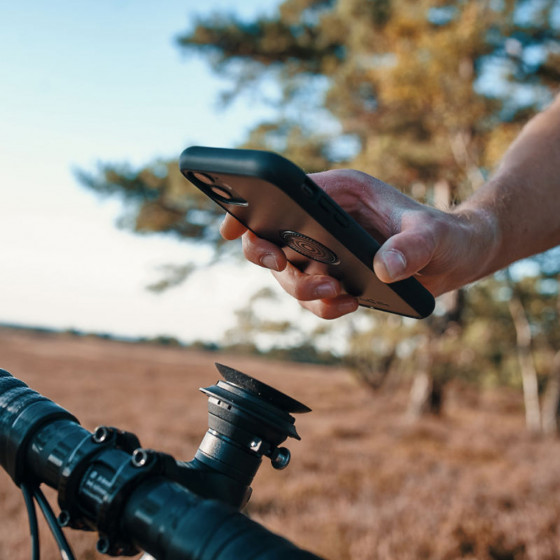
106, 482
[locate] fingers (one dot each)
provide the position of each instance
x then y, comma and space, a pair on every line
432, 245
332, 308
262, 252
255, 249
307, 287
301, 286
231, 228
320, 294
404, 255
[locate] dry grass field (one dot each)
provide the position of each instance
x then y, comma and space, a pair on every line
363, 484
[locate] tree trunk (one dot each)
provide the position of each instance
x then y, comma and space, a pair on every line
526, 364
426, 393
426, 396
551, 399
419, 399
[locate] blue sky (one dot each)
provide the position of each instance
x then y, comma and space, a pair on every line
90, 81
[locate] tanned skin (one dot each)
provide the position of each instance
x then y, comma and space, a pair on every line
514, 215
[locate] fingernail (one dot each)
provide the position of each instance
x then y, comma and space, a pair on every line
394, 262
269, 261
326, 290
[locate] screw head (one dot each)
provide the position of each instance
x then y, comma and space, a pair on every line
140, 457
100, 434
281, 458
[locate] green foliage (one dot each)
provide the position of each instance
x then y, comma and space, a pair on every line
424, 94
402, 77
157, 199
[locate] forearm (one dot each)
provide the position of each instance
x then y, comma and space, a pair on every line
522, 199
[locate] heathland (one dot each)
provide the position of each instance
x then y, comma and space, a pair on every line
364, 483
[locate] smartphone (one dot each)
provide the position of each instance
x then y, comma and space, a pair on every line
276, 200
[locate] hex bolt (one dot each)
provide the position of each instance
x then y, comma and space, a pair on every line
100, 434
140, 457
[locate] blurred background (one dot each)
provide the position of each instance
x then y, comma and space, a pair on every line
87, 85
101, 235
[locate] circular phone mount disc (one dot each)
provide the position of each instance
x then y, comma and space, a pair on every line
308, 247
264, 391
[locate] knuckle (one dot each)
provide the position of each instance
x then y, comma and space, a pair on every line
249, 251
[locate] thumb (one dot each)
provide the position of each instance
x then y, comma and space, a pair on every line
403, 255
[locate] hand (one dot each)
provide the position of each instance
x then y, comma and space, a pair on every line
443, 249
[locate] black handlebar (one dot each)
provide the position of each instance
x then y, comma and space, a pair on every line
137, 498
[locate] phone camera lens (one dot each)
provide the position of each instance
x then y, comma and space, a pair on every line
203, 178
226, 195
221, 192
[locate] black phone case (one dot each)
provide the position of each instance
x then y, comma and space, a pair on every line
276, 200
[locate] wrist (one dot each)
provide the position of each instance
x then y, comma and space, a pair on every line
484, 239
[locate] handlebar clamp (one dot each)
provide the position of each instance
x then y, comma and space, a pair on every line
97, 479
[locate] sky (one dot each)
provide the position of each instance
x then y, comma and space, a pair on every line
102, 81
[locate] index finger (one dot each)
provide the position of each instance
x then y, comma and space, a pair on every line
231, 228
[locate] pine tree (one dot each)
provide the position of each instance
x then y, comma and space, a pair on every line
424, 94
